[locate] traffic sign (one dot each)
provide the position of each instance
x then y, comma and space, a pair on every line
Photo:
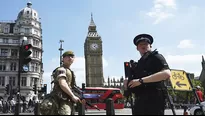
179, 80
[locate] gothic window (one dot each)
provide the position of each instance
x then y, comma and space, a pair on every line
94, 61
95, 71
23, 81
101, 70
12, 81
13, 66
27, 12
2, 81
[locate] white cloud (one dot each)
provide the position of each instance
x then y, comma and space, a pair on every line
189, 63
162, 9
78, 67
167, 3
185, 44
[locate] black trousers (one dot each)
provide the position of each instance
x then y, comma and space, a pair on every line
150, 103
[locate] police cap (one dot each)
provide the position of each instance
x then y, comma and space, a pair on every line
143, 37
68, 53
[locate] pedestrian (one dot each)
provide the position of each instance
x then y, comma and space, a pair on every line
64, 80
148, 78
199, 93
13, 103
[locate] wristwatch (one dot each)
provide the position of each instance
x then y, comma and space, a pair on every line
141, 81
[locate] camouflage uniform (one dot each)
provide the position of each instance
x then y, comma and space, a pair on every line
61, 103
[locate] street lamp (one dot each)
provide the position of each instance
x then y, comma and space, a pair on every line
61, 49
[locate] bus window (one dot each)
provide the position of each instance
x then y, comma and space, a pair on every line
94, 101
116, 91
94, 91
101, 101
87, 91
119, 101
88, 100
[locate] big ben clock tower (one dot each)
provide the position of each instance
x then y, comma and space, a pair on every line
93, 57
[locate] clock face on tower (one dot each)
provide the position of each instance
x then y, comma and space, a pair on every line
94, 46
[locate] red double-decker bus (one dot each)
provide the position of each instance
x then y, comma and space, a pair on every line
98, 96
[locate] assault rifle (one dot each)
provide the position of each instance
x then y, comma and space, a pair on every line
79, 93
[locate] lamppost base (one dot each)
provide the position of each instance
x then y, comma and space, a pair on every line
17, 109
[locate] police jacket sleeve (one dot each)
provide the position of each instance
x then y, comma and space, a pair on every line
161, 62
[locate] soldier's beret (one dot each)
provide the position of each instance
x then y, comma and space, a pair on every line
144, 37
68, 53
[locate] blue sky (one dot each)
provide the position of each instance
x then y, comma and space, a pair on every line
178, 28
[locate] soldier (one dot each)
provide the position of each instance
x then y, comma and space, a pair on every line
64, 79
150, 72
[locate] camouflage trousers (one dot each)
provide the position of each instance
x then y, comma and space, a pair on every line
52, 106
65, 108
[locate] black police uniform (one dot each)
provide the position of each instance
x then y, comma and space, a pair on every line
149, 97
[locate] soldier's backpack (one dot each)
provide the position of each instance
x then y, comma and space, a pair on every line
49, 105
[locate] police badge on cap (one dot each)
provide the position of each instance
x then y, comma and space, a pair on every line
143, 37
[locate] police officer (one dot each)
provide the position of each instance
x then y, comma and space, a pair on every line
149, 97
64, 79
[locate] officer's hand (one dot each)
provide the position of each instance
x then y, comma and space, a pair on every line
83, 101
75, 99
134, 83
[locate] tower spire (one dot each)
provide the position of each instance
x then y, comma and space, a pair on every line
92, 31
92, 24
